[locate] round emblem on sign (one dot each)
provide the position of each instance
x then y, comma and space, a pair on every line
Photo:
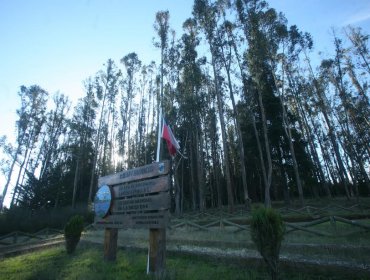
161, 167
102, 201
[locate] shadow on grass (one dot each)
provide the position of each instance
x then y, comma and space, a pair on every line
41, 265
87, 263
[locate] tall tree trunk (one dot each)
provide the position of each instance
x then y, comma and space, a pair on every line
355, 81
230, 197
238, 130
75, 180
267, 150
288, 133
200, 169
21, 167
177, 190
96, 149
331, 133
9, 177
306, 129
260, 153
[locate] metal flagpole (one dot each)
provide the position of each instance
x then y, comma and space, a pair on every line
160, 126
159, 133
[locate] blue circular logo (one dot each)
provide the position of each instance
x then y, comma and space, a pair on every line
102, 201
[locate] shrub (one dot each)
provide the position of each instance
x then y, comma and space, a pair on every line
72, 232
267, 232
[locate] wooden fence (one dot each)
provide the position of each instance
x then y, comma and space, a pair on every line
22, 237
306, 219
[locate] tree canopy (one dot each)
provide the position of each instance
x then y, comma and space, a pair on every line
254, 117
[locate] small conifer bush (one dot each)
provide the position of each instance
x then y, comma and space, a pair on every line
267, 232
72, 232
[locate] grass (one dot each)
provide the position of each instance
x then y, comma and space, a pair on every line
87, 263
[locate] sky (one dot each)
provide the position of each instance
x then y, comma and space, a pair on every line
57, 44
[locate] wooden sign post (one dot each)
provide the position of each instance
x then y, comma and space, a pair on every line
135, 198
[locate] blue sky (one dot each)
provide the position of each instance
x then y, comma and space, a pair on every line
57, 44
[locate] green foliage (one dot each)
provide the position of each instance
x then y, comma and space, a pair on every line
75, 226
72, 232
267, 232
56, 159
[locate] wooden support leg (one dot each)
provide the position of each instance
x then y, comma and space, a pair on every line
110, 244
157, 250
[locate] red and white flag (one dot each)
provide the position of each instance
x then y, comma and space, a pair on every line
172, 144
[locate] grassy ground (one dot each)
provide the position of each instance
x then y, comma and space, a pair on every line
87, 263
345, 245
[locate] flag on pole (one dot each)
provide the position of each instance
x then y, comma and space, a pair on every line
172, 144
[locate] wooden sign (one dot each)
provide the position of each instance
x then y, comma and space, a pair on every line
140, 220
147, 171
160, 184
136, 198
160, 201
140, 197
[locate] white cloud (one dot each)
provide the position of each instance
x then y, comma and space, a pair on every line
358, 17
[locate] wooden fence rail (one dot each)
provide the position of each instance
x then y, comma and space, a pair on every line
220, 219
20, 236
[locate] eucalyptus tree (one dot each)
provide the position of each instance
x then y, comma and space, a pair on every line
106, 88
161, 26
320, 86
142, 118
82, 129
206, 15
7, 164
245, 106
29, 125
360, 43
256, 19
110, 79
356, 75
132, 66
227, 45
56, 126
173, 57
298, 99
352, 119
51, 156
190, 112
300, 96
149, 153
283, 61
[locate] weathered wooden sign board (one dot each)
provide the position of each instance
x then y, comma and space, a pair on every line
139, 197
136, 198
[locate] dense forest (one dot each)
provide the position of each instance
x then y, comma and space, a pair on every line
258, 119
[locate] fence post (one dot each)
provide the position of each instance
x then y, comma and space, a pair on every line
110, 244
333, 223
15, 237
157, 250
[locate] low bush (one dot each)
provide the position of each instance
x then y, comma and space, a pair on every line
72, 232
267, 232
